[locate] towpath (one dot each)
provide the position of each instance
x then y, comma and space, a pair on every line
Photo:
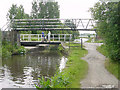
98, 76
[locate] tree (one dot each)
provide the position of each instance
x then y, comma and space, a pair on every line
42, 9
108, 16
16, 12
34, 13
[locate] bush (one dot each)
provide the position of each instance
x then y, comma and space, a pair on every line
58, 81
8, 49
6, 53
21, 50
107, 14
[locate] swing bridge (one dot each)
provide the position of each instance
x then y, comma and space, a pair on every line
18, 25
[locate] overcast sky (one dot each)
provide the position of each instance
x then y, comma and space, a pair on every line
68, 8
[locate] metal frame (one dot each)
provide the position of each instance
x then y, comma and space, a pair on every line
52, 24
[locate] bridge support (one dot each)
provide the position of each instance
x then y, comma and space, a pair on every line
15, 37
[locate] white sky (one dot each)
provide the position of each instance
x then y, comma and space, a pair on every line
68, 8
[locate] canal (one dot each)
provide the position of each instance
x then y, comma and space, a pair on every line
23, 71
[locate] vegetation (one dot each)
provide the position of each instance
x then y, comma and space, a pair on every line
111, 66
108, 16
8, 49
16, 12
70, 77
95, 41
103, 49
98, 41
90, 40
45, 9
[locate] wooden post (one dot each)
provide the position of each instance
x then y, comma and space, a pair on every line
81, 43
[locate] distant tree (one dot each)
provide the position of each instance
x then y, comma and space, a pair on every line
42, 9
34, 13
16, 12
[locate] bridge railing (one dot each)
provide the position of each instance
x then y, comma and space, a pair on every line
38, 37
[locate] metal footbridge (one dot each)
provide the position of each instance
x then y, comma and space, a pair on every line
36, 39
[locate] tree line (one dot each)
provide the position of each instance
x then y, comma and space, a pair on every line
108, 26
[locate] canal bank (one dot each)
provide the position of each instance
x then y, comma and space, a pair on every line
72, 74
23, 71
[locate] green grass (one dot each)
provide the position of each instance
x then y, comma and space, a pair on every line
102, 49
90, 39
76, 69
98, 41
110, 65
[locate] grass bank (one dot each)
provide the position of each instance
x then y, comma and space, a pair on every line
76, 69
111, 66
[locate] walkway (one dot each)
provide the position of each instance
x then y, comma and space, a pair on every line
97, 76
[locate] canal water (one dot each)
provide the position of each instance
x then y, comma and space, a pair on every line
23, 71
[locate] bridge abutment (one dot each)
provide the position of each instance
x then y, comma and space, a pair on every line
15, 37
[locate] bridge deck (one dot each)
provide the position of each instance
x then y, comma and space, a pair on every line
34, 43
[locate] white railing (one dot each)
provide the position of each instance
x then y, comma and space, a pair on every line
38, 37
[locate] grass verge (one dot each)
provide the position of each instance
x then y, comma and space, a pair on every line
76, 69
110, 65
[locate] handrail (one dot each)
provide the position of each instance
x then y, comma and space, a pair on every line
38, 37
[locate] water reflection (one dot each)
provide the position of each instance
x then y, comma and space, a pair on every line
24, 71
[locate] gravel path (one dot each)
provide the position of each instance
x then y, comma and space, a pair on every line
98, 76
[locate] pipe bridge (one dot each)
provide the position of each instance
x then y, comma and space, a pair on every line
52, 24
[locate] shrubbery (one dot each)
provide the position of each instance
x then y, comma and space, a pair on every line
108, 16
8, 49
